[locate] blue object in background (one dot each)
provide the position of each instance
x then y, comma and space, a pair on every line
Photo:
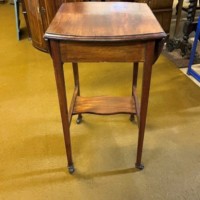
192, 56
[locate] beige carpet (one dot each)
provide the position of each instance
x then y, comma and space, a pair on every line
32, 153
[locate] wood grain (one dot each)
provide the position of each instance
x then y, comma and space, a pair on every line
113, 31
104, 105
73, 51
104, 21
35, 24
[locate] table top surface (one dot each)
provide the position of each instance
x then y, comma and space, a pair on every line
104, 21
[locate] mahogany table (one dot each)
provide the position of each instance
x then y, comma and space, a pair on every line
104, 32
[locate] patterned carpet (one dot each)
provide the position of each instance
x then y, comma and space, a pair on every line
176, 57
182, 61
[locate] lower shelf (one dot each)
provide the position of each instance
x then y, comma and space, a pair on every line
104, 105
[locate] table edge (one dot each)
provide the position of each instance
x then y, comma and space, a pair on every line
153, 36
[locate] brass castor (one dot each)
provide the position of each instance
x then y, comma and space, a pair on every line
71, 169
132, 118
139, 166
79, 119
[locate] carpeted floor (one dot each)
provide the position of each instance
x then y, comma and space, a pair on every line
32, 153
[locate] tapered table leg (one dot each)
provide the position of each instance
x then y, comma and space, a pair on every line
77, 85
60, 83
134, 84
149, 57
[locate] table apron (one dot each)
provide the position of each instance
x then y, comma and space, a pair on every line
102, 51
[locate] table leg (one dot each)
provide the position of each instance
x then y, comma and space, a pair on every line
146, 80
134, 84
60, 83
77, 85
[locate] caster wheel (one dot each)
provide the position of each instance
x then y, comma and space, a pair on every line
79, 119
139, 166
71, 169
132, 118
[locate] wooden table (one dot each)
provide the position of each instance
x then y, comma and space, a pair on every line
104, 32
